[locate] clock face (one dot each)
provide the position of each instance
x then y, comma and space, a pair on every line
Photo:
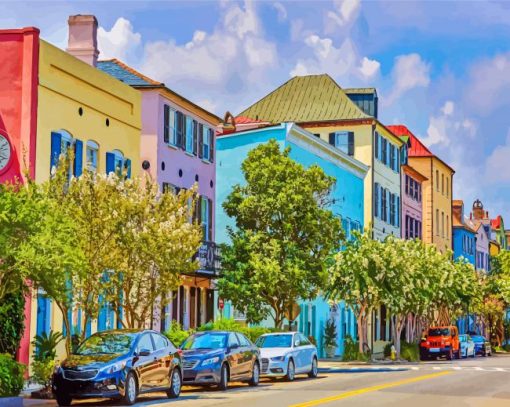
5, 152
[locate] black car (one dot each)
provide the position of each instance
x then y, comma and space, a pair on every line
217, 357
119, 364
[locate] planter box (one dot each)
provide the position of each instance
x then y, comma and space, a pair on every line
11, 401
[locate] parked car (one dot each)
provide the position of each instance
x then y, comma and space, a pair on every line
119, 364
482, 345
220, 357
287, 354
467, 346
440, 341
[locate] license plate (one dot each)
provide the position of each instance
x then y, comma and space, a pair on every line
434, 349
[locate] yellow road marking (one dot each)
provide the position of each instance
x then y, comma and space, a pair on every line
368, 390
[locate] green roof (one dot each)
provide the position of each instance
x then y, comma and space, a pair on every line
311, 98
359, 91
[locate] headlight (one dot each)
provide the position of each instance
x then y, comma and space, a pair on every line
114, 368
278, 359
210, 361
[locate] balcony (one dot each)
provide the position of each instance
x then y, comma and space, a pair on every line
209, 259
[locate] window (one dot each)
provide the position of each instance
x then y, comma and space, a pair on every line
343, 140
169, 126
393, 157
206, 217
384, 205
61, 143
119, 162
160, 341
377, 200
442, 184
232, 340
437, 222
242, 340
167, 187
206, 143
189, 134
145, 342
437, 180
91, 155
384, 151
377, 142
407, 184
447, 187
442, 224
447, 226
392, 209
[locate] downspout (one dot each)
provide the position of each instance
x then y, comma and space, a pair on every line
372, 221
432, 200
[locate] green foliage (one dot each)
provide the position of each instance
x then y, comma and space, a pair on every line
330, 334
408, 351
351, 351
12, 321
42, 371
283, 238
176, 334
312, 340
45, 345
229, 324
11, 376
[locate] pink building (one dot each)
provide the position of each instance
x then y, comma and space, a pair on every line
177, 149
411, 202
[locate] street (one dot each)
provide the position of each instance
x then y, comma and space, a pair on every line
466, 382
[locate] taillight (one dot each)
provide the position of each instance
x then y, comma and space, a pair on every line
179, 351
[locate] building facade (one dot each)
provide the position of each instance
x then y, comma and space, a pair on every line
318, 104
412, 203
436, 190
479, 221
178, 150
464, 237
347, 196
60, 102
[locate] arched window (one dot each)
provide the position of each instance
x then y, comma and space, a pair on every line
62, 142
92, 154
119, 162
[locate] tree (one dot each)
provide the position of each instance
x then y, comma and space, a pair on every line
356, 277
284, 235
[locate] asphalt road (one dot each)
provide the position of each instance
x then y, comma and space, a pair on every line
467, 382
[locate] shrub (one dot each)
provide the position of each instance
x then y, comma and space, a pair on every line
12, 322
329, 338
351, 351
229, 324
387, 350
11, 376
45, 345
409, 351
176, 334
506, 348
42, 371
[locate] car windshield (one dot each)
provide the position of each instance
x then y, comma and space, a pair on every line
439, 332
106, 343
205, 341
274, 341
478, 338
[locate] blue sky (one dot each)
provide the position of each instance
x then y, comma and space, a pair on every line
440, 67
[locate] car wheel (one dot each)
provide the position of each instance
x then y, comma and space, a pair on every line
175, 384
63, 399
255, 375
291, 371
457, 354
315, 369
223, 384
473, 355
130, 390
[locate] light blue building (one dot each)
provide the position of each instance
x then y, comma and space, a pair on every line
347, 198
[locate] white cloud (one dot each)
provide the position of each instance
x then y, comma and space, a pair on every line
119, 42
281, 10
346, 11
342, 63
448, 108
409, 72
497, 166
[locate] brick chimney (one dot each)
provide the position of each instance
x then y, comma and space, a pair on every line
83, 38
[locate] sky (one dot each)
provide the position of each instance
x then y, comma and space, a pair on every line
442, 68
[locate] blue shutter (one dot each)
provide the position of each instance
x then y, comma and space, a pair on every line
397, 223
376, 145
398, 161
110, 163
127, 164
380, 149
43, 314
78, 158
332, 137
388, 154
376, 200
101, 319
350, 143
56, 149
166, 124
388, 205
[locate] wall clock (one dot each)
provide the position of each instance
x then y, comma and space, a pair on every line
5, 153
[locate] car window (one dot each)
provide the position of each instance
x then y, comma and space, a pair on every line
205, 341
106, 343
145, 342
275, 341
160, 341
303, 340
439, 332
232, 340
243, 340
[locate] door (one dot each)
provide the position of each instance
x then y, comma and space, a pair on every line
246, 359
234, 355
306, 353
297, 351
146, 366
164, 354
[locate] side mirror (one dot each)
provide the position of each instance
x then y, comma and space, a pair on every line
296, 343
144, 352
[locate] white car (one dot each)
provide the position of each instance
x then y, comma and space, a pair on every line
287, 354
467, 346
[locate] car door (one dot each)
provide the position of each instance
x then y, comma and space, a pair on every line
307, 351
297, 354
246, 356
164, 354
146, 365
234, 355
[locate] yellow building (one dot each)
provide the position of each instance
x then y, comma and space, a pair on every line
84, 109
318, 104
436, 191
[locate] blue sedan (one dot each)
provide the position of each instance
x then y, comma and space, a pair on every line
218, 357
482, 345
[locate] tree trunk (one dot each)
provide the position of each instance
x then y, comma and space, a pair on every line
68, 328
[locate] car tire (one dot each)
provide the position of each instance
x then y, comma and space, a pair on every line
175, 384
315, 369
130, 390
291, 371
223, 384
255, 375
63, 399
457, 354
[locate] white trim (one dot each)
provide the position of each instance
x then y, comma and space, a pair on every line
304, 138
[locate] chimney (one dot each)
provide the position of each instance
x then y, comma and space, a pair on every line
83, 38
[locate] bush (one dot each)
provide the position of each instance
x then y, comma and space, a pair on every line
42, 371
229, 324
408, 351
12, 322
11, 376
351, 351
45, 345
176, 334
506, 348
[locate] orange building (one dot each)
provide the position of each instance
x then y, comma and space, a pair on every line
436, 190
